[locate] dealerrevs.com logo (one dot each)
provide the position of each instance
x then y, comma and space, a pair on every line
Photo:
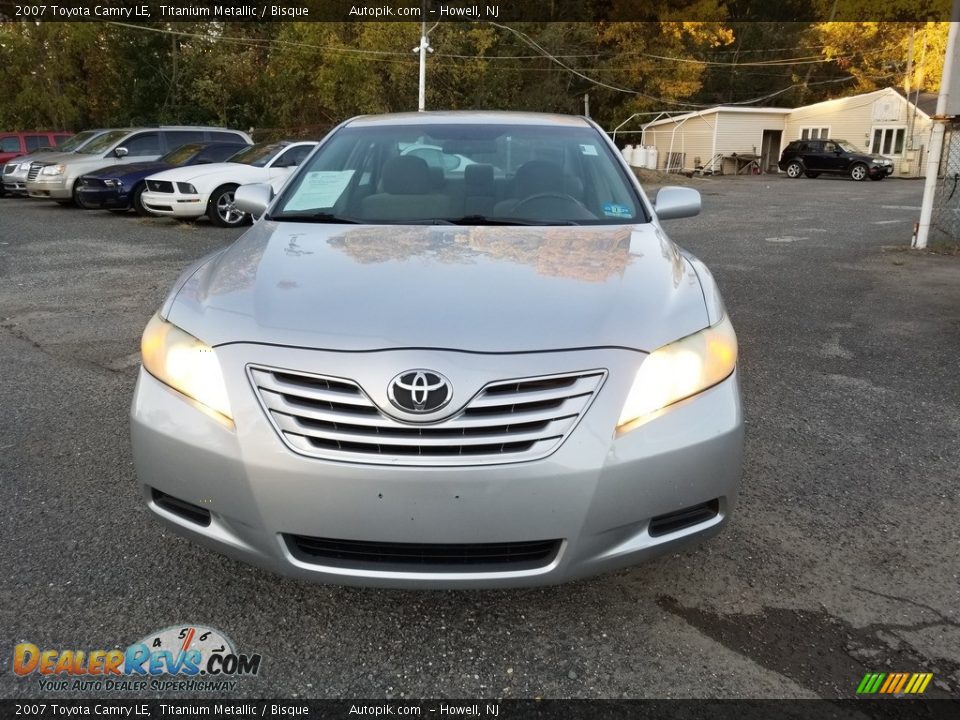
178, 658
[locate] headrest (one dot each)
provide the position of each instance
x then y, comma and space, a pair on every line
538, 176
479, 179
406, 175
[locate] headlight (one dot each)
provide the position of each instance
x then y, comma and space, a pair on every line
111, 183
186, 188
53, 170
184, 363
681, 369
24, 167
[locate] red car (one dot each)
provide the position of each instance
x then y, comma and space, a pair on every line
14, 144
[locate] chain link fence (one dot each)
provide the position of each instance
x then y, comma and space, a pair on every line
945, 222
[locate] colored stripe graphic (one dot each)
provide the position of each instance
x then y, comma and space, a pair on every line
894, 683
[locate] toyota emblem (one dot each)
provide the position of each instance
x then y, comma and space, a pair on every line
419, 391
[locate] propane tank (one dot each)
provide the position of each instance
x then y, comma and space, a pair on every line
627, 153
652, 157
639, 156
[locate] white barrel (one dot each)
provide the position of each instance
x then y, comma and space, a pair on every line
652, 157
639, 156
627, 153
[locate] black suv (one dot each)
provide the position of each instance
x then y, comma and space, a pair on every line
812, 157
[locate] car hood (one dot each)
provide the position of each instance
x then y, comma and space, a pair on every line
189, 173
482, 289
49, 158
119, 171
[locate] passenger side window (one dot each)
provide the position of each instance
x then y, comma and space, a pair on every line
142, 145
10, 144
34, 142
218, 153
294, 156
177, 138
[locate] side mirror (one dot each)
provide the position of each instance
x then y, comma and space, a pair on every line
121, 152
253, 199
677, 202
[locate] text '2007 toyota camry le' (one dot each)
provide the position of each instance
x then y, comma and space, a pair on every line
456, 350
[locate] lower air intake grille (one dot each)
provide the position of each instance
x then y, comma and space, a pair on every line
425, 557
682, 519
506, 421
188, 511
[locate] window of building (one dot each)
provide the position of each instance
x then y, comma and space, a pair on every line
812, 133
888, 141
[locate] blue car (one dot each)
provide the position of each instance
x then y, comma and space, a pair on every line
118, 187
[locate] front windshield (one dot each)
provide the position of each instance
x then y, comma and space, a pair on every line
181, 155
103, 143
471, 174
77, 140
257, 155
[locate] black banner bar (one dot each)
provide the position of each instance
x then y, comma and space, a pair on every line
151, 11
889, 709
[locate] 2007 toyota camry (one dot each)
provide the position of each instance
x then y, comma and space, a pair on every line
456, 350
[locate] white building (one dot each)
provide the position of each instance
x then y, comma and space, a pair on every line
730, 138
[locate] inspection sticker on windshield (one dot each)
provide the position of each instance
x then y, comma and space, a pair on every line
588, 149
618, 211
320, 189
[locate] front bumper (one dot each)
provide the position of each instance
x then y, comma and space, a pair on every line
174, 204
881, 170
15, 182
54, 187
596, 495
103, 197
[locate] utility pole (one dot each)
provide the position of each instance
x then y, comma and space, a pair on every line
945, 104
423, 48
586, 104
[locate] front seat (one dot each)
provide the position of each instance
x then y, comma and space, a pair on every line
407, 192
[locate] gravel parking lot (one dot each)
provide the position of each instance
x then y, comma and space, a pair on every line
842, 558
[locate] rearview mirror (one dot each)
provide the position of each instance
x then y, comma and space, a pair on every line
677, 202
121, 152
253, 199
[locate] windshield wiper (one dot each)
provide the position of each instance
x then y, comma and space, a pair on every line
320, 217
485, 220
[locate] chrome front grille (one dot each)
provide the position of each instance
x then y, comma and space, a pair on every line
163, 186
507, 421
34, 170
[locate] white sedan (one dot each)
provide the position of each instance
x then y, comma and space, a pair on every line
196, 190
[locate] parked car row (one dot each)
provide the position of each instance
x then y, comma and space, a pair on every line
155, 171
18, 144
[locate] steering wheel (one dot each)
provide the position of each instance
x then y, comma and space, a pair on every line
553, 196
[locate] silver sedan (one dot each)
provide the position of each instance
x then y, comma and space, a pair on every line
404, 376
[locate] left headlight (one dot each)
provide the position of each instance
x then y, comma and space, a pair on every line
53, 170
185, 363
681, 369
186, 188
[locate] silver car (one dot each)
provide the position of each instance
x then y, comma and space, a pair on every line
403, 376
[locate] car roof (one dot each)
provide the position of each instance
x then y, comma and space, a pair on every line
455, 117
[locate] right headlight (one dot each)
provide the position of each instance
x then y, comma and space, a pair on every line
186, 364
681, 369
53, 170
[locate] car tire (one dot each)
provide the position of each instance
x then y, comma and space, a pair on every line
75, 195
794, 170
810, 174
859, 172
220, 208
136, 201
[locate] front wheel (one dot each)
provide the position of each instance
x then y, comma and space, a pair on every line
221, 211
136, 201
858, 172
794, 170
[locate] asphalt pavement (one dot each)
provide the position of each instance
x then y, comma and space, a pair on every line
842, 558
